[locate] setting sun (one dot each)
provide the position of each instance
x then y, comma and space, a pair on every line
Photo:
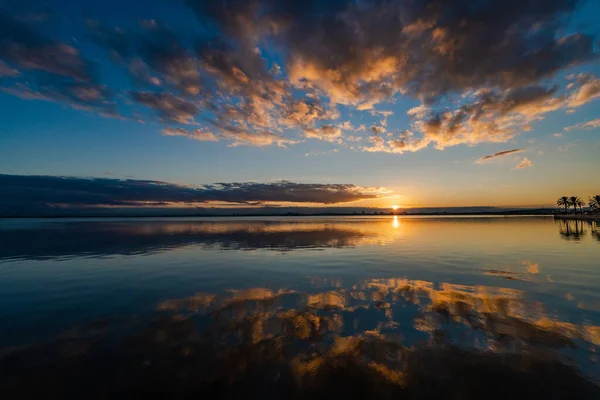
395, 207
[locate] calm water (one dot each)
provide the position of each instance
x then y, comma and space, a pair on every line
309, 287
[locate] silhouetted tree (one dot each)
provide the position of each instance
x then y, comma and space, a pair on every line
563, 202
580, 203
594, 203
574, 201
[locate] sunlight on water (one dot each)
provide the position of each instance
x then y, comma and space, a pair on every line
379, 298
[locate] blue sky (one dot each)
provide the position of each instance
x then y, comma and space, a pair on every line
202, 57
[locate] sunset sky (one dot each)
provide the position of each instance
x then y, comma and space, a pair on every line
429, 103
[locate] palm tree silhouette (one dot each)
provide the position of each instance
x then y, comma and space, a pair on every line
563, 201
574, 201
594, 203
580, 203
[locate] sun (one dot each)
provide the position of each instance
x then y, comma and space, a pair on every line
395, 207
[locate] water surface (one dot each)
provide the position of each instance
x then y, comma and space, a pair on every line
306, 286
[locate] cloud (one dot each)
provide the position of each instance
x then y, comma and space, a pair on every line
346, 125
169, 107
37, 67
320, 153
79, 95
6, 71
375, 129
468, 47
525, 163
489, 58
258, 139
589, 90
305, 113
24, 47
359, 53
593, 124
498, 154
30, 192
491, 116
325, 132
230, 87
485, 116
196, 134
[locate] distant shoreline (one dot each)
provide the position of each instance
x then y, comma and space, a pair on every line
437, 214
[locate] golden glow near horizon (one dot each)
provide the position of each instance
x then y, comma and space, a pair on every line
395, 207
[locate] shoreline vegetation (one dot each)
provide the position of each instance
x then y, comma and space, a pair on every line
592, 213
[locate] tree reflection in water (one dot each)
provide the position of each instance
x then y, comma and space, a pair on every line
571, 229
381, 338
595, 229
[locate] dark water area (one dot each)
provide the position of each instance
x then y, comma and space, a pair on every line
362, 307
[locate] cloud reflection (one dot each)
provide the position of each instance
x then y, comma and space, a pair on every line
384, 306
400, 337
102, 238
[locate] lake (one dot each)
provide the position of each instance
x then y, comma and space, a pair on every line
250, 307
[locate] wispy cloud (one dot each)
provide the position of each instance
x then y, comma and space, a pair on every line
197, 134
498, 154
526, 163
593, 124
320, 153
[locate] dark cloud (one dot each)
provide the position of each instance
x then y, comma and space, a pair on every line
169, 107
5, 70
355, 53
42, 68
499, 154
28, 49
20, 192
84, 96
359, 51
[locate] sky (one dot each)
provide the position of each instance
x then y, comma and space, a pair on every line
365, 103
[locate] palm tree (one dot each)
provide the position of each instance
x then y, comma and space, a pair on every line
594, 203
574, 201
580, 203
563, 202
